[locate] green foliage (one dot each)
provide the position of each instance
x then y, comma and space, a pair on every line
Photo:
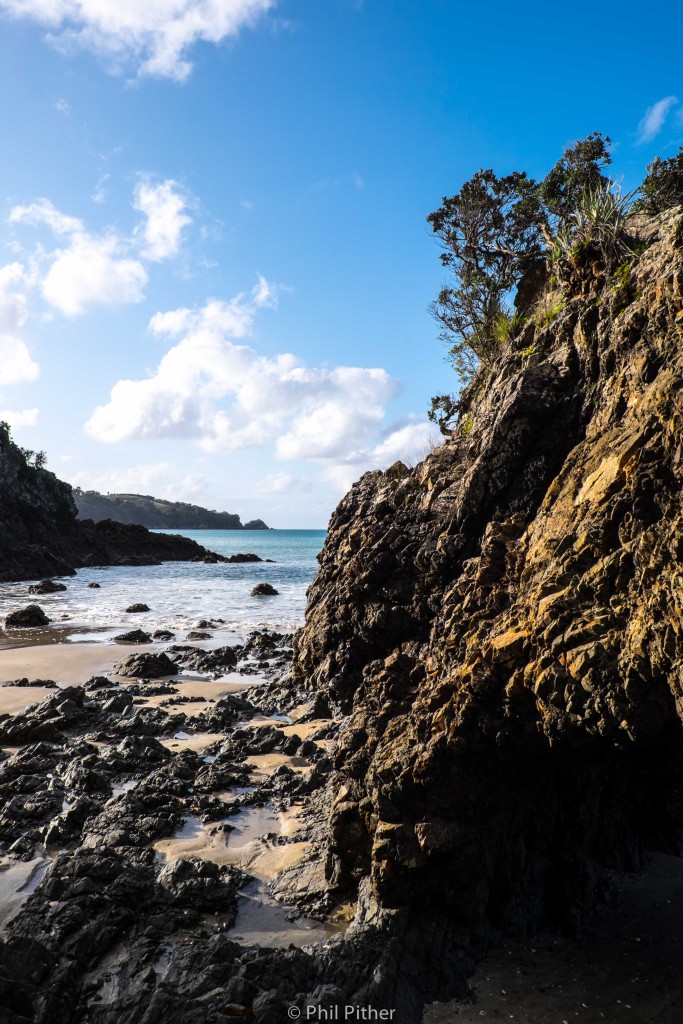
466, 426
547, 311
34, 460
663, 185
622, 275
597, 221
443, 411
506, 326
496, 232
489, 231
577, 171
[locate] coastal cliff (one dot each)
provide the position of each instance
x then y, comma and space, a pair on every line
501, 626
40, 534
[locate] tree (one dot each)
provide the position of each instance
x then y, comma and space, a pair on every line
443, 411
577, 172
663, 185
495, 230
490, 230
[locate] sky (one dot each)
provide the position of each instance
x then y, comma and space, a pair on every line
215, 266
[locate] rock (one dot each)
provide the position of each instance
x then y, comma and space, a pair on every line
135, 636
249, 557
133, 608
147, 665
163, 634
46, 587
49, 684
264, 590
198, 634
497, 625
93, 586
219, 660
32, 615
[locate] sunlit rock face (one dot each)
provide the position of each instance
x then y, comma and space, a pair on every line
503, 623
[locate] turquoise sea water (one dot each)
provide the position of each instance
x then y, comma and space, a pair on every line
179, 594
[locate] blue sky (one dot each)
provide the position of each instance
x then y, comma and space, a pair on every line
214, 262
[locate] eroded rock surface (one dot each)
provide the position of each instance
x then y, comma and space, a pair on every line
503, 623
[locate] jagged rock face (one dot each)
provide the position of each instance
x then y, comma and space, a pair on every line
503, 624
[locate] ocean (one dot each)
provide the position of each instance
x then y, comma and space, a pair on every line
179, 594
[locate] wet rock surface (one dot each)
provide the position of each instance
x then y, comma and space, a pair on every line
110, 929
46, 587
264, 590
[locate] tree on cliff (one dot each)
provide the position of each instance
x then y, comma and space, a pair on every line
492, 232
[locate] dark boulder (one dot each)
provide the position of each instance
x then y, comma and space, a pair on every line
138, 607
149, 666
264, 590
31, 615
46, 587
135, 636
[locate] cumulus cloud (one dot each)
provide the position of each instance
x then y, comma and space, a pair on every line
154, 37
92, 271
164, 208
220, 393
21, 418
88, 269
16, 364
653, 120
409, 444
161, 478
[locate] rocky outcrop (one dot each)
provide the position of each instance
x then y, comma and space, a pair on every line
503, 624
40, 535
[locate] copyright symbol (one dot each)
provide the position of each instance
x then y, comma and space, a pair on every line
293, 1012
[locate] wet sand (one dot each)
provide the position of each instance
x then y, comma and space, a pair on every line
64, 663
248, 846
628, 969
14, 699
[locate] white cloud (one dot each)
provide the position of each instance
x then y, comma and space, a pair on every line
409, 444
653, 120
89, 270
16, 364
22, 418
159, 478
154, 36
283, 483
226, 397
163, 206
92, 272
44, 212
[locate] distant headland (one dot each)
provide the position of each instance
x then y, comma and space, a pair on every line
157, 513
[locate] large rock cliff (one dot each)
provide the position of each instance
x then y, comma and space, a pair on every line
503, 624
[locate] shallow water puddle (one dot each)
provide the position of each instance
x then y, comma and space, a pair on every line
18, 879
262, 921
198, 742
249, 844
